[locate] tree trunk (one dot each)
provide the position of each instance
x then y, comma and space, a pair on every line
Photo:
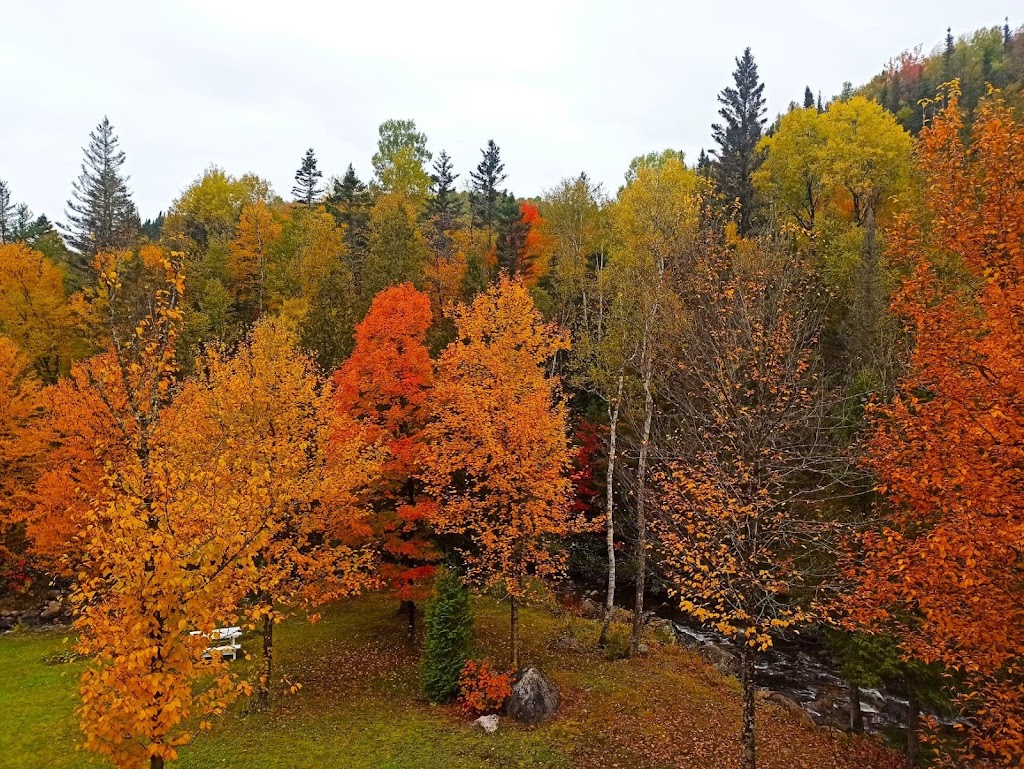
749, 745
263, 692
913, 726
856, 715
514, 631
410, 613
609, 601
641, 519
156, 762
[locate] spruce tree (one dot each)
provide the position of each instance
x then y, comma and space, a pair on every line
1007, 37
449, 633
349, 203
307, 179
6, 213
808, 97
489, 174
100, 214
947, 55
445, 206
743, 109
704, 165
821, 105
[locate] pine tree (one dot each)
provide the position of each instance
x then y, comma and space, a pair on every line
6, 213
349, 203
101, 215
449, 633
445, 207
307, 178
808, 98
821, 105
704, 165
743, 110
485, 179
1007, 37
947, 55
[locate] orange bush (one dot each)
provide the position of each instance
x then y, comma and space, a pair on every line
482, 689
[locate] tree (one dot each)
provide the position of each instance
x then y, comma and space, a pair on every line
808, 98
942, 568
396, 248
394, 136
523, 247
100, 214
307, 179
737, 155
251, 253
794, 175
20, 449
737, 526
34, 310
655, 219
485, 181
498, 451
383, 390
6, 214
449, 633
349, 202
155, 562
267, 408
445, 206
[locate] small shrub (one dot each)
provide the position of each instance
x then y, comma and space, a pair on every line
617, 647
482, 689
449, 632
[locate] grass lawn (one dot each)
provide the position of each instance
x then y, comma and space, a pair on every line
359, 706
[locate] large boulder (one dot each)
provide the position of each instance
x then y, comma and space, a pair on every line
51, 612
534, 698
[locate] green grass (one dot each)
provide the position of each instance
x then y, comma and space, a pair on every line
359, 706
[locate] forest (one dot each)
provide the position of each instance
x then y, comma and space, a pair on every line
777, 389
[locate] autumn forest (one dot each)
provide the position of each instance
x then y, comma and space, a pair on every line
770, 396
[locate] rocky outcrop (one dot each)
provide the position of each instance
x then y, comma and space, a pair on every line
534, 697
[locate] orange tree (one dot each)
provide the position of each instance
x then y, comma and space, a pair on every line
20, 449
944, 570
498, 453
156, 563
383, 392
737, 526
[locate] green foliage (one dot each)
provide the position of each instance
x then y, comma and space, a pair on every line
449, 632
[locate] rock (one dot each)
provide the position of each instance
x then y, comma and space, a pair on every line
642, 649
6, 623
721, 660
591, 609
51, 612
791, 706
534, 697
488, 723
566, 643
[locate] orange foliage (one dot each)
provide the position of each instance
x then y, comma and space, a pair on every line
482, 689
949, 451
383, 391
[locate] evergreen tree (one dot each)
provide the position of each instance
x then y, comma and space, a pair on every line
445, 206
847, 93
1007, 37
307, 179
349, 203
821, 106
489, 174
6, 213
704, 166
947, 55
512, 232
743, 109
152, 228
449, 633
808, 98
101, 215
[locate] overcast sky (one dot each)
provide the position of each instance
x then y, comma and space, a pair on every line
562, 87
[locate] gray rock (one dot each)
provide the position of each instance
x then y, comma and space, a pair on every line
6, 623
591, 609
534, 698
488, 723
567, 643
642, 649
724, 662
791, 706
53, 610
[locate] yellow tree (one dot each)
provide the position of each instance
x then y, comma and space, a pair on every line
268, 411
155, 563
34, 310
498, 451
251, 252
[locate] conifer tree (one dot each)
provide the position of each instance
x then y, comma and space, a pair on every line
349, 203
489, 174
307, 179
445, 207
6, 213
101, 215
808, 97
947, 55
821, 105
743, 112
1007, 37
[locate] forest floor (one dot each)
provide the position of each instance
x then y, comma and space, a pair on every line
360, 707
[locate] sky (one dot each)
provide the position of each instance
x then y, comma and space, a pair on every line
563, 86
